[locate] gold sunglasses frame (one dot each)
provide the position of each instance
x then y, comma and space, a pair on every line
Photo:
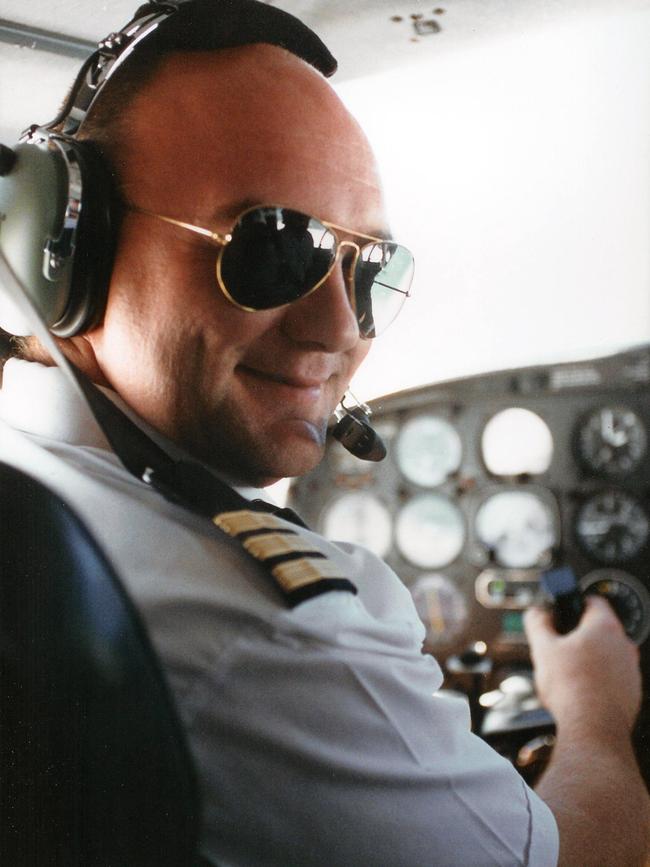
222, 240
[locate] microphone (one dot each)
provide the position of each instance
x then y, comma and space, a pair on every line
354, 432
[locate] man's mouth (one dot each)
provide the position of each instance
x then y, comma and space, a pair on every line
300, 399
297, 382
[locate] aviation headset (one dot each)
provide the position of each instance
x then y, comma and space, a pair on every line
58, 206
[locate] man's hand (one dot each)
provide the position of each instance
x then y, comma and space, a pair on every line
590, 676
590, 681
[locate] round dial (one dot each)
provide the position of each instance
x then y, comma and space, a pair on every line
359, 517
612, 526
612, 440
516, 441
430, 531
442, 607
517, 527
428, 450
628, 596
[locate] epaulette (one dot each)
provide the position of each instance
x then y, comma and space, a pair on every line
299, 570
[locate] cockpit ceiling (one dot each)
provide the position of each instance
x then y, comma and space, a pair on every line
367, 36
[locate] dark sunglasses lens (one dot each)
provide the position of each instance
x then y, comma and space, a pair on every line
276, 255
382, 280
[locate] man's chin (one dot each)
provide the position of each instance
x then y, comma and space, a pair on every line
298, 448
285, 449
309, 431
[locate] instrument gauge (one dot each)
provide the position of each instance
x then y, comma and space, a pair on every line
612, 440
430, 531
518, 528
442, 607
515, 442
428, 450
359, 517
627, 595
612, 526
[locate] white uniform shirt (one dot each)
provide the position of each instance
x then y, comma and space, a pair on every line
318, 733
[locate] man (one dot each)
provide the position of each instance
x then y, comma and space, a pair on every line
316, 732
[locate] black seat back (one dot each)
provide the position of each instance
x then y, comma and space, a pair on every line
94, 769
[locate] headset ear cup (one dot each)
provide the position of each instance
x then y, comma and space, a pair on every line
58, 217
33, 197
94, 244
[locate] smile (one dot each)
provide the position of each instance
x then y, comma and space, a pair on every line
306, 385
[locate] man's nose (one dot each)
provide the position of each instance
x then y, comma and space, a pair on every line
325, 317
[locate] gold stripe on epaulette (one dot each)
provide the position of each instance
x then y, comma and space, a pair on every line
307, 570
245, 520
275, 545
300, 571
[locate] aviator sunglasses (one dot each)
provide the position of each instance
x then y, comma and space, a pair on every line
275, 255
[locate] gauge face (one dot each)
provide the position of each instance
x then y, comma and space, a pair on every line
628, 596
442, 607
612, 440
516, 441
428, 450
612, 526
430, 531
361, 518
518, 528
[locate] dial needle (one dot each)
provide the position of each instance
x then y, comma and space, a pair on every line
434, 609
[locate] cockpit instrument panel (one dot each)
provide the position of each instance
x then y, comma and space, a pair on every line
428, 450
361, 517
517, 527
443, 607
430, 531
611, 440
493, 478
629, 596
612, 526
515, 442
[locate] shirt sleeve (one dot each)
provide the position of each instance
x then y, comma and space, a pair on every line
321, 742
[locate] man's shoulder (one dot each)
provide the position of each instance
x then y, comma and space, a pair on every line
154, 543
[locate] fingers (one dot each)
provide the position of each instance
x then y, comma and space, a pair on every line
598, 605
591, 671
538, 619
598, 615
538, 625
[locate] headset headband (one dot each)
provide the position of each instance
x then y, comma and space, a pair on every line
177, 25
59, 210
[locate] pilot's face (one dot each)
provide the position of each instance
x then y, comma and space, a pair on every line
249, 393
